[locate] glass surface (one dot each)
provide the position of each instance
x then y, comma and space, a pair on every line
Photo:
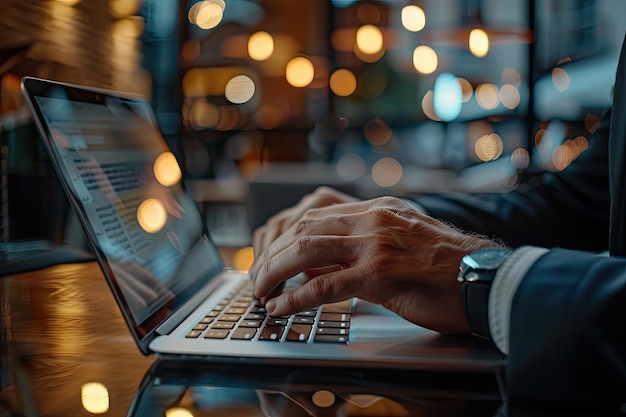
65, 351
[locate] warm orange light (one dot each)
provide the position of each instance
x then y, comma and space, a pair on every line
343, 82
300, 72
369, 39
413, 18
479, 43
260, 46
425, 59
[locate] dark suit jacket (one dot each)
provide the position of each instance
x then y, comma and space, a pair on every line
568, 319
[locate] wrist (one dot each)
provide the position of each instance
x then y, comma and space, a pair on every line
476, 274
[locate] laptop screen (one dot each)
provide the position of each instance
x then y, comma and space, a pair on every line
127, 188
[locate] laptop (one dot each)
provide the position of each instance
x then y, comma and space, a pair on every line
165, 272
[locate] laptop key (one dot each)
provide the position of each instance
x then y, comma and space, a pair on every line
233, 310
224, 325
335, 317
332, 330
251, 323
200, 326
299, 332
272, 333
277, 321
344, 324
230, 317
216, 334
240, 304
243, 333
207, 320
307, 313
304, 320
193, 334
255, 316
331, 338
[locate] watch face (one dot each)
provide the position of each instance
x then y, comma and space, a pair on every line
488, 258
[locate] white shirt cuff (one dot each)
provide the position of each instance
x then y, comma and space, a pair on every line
503, 289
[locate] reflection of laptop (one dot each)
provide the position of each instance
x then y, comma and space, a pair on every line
165, 272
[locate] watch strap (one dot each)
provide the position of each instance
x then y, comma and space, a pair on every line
476, 299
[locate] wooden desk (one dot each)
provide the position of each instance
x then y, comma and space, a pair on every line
62, 331
65, 330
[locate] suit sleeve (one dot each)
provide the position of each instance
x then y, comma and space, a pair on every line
568, 330
558, 209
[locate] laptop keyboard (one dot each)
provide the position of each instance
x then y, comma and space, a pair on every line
240, 316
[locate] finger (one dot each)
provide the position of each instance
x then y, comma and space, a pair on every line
336, 225
328, 288
305, 253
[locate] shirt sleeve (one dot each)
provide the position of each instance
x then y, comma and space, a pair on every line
503, 289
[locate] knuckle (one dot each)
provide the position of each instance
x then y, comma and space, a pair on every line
305, 245
268, 266
302, 225
320, 289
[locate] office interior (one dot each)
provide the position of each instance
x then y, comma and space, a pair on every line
264, 100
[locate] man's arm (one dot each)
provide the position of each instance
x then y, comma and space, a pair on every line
558, 209
568, 330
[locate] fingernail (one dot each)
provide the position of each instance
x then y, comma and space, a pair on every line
270, 306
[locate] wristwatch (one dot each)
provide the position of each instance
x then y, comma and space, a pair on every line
477, 271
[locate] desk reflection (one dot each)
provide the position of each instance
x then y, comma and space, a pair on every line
65, 350
176, 388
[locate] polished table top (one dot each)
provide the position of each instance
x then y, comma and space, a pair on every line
66, 351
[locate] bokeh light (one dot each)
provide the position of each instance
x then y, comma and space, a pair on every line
300, 72
428, 106
203, 115
560, 79
260, 46
207, 14
425, 59
178, 412
489, 147
413, 18
123, 8
512, 76
466, 88
323, 398
520, 158
94, 397
369, 39
243, 259
377, 132
151, 215
487, 96
448, 97
386, 172
509, 96
351, 166
239, 89
343, 82
166, 169
478, 43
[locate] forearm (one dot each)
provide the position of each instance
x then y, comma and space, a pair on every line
567, 334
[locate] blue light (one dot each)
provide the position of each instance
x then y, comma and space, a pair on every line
448, 97
343, 3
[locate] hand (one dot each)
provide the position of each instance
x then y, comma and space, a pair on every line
379, 250
278, 224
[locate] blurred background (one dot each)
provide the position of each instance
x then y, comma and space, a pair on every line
263, 100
